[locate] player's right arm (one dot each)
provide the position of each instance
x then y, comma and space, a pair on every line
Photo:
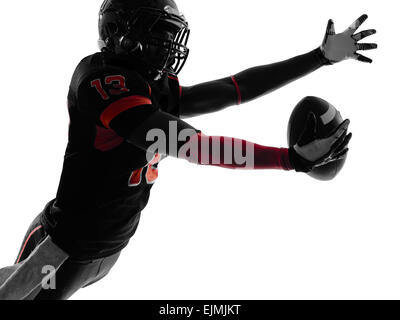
122, 103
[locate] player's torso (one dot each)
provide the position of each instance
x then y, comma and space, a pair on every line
99, 165
106, 181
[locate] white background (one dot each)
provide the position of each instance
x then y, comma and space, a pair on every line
211, 233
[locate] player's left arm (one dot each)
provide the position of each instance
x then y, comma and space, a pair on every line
247, 85
255, 82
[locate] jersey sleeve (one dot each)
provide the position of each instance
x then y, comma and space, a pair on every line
115, 99
177, 138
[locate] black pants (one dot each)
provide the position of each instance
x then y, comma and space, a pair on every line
72, 275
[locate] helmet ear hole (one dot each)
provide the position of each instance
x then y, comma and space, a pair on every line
109, 42
130, 45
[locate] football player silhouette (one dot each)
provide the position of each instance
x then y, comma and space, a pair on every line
121, 98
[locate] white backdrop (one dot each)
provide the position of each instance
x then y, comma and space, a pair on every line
211, 233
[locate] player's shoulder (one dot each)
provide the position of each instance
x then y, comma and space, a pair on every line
100, 70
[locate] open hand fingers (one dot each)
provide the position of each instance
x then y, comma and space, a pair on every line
362, 58
335, 157
340, 155
341, 143
341, 129
366, 46
363, 34
356, 24
330, 29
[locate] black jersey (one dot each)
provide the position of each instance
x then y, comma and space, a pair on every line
106, 181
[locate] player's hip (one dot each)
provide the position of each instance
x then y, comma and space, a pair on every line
90, 234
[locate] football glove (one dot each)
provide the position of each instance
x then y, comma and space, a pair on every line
341, 46
310, 152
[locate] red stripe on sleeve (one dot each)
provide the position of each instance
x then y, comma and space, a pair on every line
117, 107
26, 242
239, 94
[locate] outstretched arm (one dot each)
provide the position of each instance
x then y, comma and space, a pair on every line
247, 85
163, 133
138, 121
252, 83
166, 134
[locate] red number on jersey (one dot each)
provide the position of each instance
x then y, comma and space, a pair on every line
135, 178
97, 84
118, 83
151, 173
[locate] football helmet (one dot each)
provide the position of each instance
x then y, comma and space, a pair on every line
153, 32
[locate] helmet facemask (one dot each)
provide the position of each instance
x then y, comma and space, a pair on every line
156, 37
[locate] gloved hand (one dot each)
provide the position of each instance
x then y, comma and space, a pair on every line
310, 152
341, 46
